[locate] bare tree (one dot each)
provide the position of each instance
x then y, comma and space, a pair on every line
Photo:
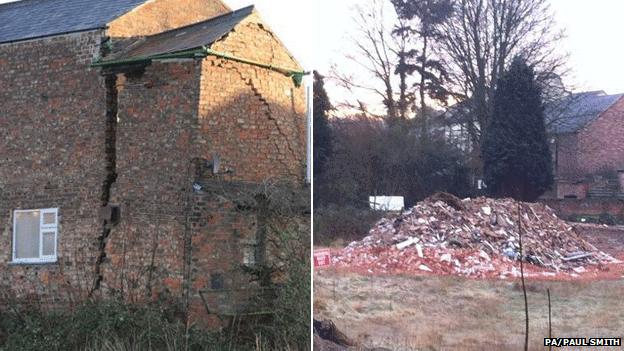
375, 58
481, 39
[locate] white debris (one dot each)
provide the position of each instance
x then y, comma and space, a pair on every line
446, 258
419, 250
580, 269
407, 243
422, 267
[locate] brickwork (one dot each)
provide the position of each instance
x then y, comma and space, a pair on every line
156, 116
51, 130
598, 148
220, 235
566, 156
565, 208
601, 143
79, 138
252, 117
157, 16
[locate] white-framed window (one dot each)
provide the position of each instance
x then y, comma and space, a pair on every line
249, 255
35, 235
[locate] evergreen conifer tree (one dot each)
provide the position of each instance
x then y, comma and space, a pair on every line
322, 132
516, 157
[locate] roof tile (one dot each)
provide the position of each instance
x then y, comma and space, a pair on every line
29, 19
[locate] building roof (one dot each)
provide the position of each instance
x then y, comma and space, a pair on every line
184, 38
575, 111
28, 19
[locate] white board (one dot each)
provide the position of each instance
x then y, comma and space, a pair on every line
386, 203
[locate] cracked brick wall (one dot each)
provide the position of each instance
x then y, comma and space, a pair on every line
157, 112
52, 125
57, 123
261, 133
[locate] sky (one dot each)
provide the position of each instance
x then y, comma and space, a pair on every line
317, 32
593, 40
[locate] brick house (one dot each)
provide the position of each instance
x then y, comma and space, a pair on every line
586, 134
127, 129
587, 142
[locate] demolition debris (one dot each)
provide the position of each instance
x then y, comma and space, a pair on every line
473, 237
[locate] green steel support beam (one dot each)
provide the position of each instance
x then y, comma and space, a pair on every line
297, 76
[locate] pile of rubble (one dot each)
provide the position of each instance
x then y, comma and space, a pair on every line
473, 237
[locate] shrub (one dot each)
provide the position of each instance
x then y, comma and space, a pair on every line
342, 222
102, 325
606, 218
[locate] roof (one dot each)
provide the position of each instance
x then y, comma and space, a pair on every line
28, 19
575, 111
184, 38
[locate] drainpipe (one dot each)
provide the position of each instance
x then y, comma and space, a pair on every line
309, 136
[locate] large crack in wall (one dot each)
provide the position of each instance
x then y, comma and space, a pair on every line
269, 113
110, 82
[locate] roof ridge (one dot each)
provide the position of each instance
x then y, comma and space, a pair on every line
15, 2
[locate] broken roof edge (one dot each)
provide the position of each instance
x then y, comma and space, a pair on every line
250, 8
130, 51
203, 50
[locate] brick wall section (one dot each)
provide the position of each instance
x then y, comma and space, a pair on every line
568, 189
597, 147
219, 233
160, 15
51, 133
601, 143
594, 207
252, 117
156, 117
226, 227
567, 156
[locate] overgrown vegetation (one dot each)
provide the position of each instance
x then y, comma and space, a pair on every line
347, 223
603, 218
371, 158
102, 325
284, 273
111, 324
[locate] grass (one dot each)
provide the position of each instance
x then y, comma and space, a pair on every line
452, 313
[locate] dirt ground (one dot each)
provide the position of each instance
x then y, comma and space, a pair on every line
408, 312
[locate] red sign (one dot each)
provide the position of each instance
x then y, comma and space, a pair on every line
322, 258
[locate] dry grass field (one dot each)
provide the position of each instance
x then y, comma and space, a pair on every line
452, 313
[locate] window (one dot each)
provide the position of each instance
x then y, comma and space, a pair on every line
35, 235
249, 255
